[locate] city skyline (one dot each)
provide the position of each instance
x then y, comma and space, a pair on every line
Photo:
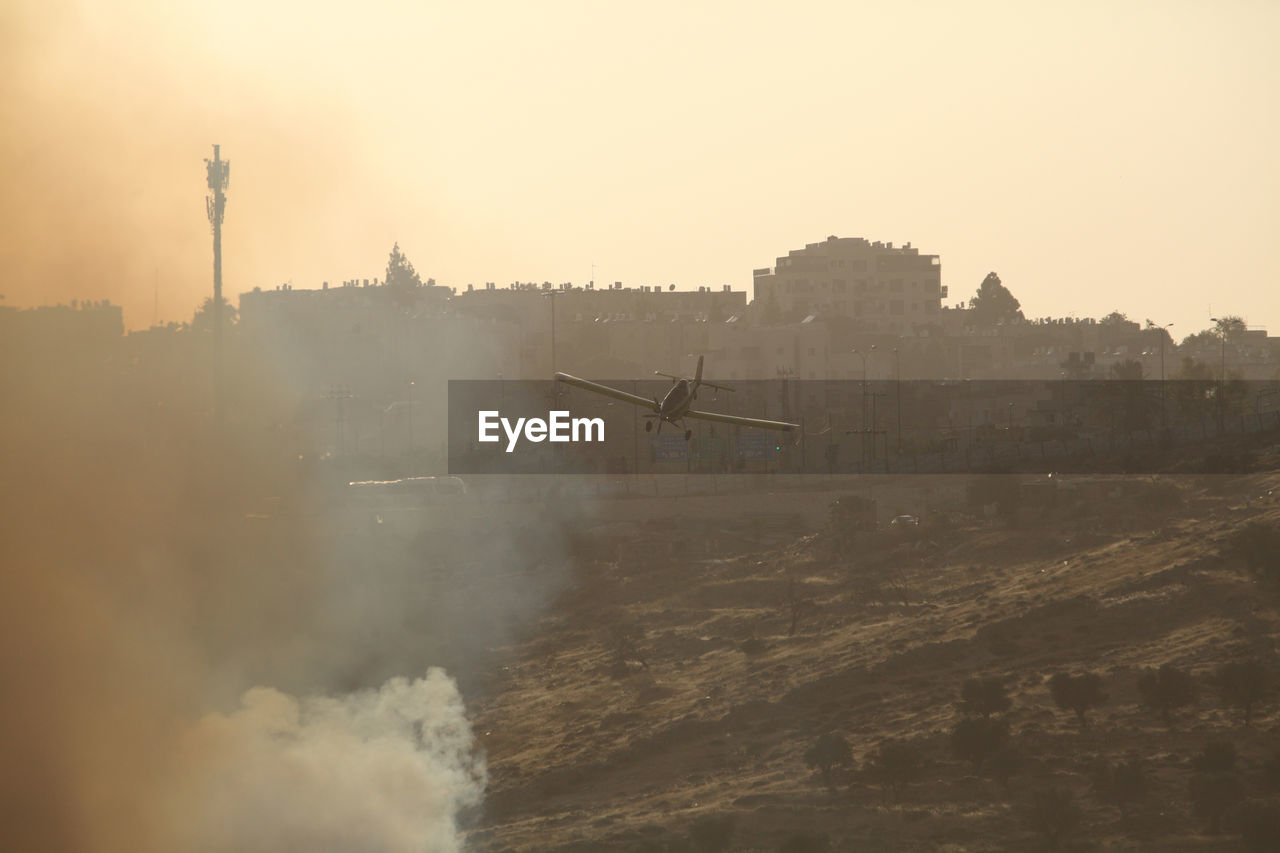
1097, 159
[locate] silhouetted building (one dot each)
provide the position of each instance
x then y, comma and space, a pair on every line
882, 287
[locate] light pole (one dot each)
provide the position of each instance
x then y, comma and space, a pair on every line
863, 407
411, 417
1222, 376
1164, 421
897, 392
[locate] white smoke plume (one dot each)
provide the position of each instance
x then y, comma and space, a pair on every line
379, 771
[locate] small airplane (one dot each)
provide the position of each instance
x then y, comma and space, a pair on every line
674, 406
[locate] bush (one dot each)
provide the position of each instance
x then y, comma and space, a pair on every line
1243, 685
1002, 764
1257, 545
1053, 813
828, 752
1217, 756
805, 842
1260, 825
1166, 690
976, 739
1120, 785
894, 764
1078, 693
1270, 777
713, 833
985, 696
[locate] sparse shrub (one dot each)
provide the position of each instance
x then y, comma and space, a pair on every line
977, 738
827, 753
1260, 825
1166, 689
806, 842
713, 833
1078, 693
1243, 685
985, 696
1217, 756
1257, 545
1120, 785
895, 763
753, 646
1213, 795
1053, 813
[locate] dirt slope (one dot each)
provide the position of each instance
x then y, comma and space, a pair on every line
661, 690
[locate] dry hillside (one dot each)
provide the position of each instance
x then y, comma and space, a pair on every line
668, 698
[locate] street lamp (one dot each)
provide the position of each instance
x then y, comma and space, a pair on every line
863, 356
897, 392
410, 416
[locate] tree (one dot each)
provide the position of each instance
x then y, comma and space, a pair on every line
1115, 318
1213, 795
828, 752
713, 833
1260, 825
1257, 545
1120, 785
1053, 813
1002, 764
895, 763
993, 303
977, 738
985, 696
1130, 369
202, 321
1078, 693
1243, 685
1270, 776
400, 272
806, 842
1217, 756
1166, 690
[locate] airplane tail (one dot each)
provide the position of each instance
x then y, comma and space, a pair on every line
697, 377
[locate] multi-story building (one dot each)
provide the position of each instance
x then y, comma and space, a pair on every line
884, 288
648, 327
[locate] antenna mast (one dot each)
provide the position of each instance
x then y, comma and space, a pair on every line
219, 171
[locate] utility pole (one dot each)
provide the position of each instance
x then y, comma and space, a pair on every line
219, 172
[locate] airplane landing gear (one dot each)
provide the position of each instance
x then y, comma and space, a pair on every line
688, 434
648, 426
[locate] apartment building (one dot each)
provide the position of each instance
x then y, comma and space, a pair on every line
883, 287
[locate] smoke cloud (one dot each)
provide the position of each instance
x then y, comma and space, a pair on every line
378, 770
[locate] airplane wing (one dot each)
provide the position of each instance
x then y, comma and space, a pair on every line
597, 388
782, 426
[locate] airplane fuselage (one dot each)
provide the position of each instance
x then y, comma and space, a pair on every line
676, 402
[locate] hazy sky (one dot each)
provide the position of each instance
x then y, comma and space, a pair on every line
1097, 155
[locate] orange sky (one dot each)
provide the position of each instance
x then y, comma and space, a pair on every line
1097, 155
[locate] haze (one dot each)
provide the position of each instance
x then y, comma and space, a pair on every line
1098, 156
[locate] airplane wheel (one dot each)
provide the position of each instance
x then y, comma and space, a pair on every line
648, 426
688, 434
